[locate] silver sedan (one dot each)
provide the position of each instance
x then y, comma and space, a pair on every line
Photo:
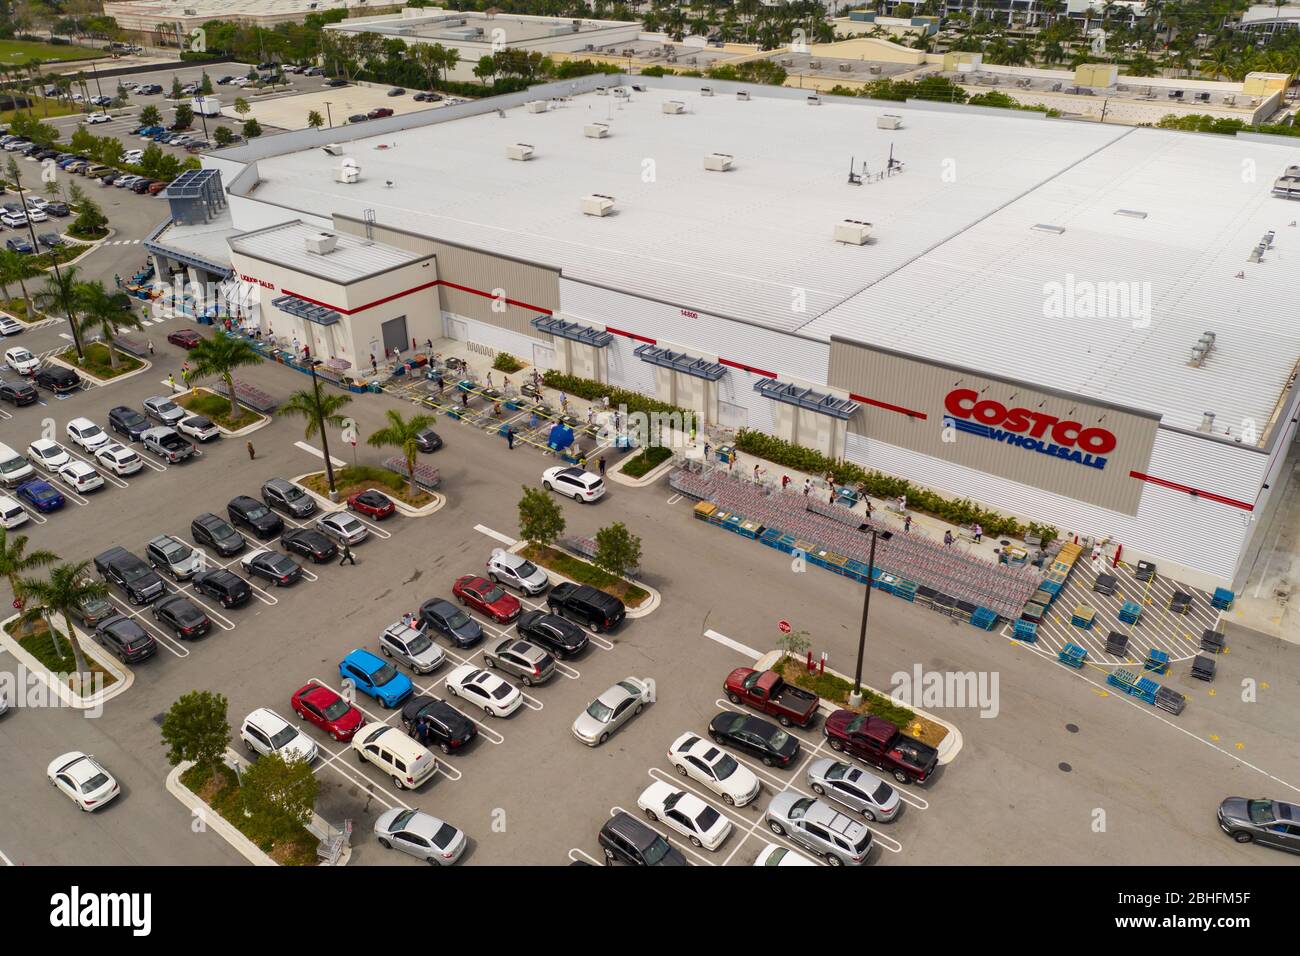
854, 788
612, 709
421, 835
342, 527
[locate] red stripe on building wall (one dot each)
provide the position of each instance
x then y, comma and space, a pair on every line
909, 412
489, 295
1188, 489
747, 368
630, 335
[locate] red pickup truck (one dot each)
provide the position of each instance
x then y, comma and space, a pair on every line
877, 742
766, 691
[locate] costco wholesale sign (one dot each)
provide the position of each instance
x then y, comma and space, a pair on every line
1064, 444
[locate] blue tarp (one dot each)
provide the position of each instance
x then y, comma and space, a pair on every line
561, 437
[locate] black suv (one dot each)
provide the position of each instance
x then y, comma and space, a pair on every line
254, 516
119, 566
447, 727
128, 641
19, 393
59, 209
562, 638
625, 839
217, 534
127, 421
58, 379
586, 605
226, 586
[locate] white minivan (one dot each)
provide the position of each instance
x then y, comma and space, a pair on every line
14, 468
401, 757
12, 514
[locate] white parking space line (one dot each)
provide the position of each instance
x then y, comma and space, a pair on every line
259, 593
311, 450
108, 476
673, 499
671, 836
734, 645
4, 416
9, 862
508, 541
166, 640
192, 593
33, 513
574, 855
338, 764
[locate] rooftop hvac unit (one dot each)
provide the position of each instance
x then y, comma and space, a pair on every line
622, 91
814, 100
519, 151
601, 91
718, 162
322, 243
874, 70
706, 91
334, 149
853, 232
674, 106
536, 106
348, 171
597, 205
1207, 422
596, 130
814, 64
888, 121
846, 67
742, 94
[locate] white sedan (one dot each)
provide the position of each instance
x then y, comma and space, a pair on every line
82, 780
80, 476
22, 361
119, 459
87, 434
773, 855
701, 760
49, 454
497, 697
10, 326
505, 567
686, 813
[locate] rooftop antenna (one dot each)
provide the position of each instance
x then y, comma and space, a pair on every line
894, 164
854, 178
369, 216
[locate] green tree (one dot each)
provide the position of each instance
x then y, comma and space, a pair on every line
223, 136
111, 151
618, 550
402, 434
280, 797
58, 294
18, 267
176, 93
205, 85
150, 116
220, 356
184, 116
541, 520
91, 221
315, 120
319, 409
15, 560
195, 729
103, 310
83, 141
252, 128
241, 106
59, 594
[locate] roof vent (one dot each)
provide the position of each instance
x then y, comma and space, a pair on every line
536, 106
1044, 227
348, 171
853, 232
1207, 422
1201, 349
596, 130
814, 100
706, 91
334, 149
597, 205
889, 121
718, 162
673, 107
1131, 213
322, 243
519, 151
742, 94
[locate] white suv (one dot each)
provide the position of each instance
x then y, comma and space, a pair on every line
574, 483
87, 434
266, 732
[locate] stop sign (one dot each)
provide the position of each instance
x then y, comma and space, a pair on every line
783, 626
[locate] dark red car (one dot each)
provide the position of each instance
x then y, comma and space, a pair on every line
379, 112
374, 504
328, 711
486, 597
185, 338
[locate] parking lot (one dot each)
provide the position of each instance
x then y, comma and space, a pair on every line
525, 790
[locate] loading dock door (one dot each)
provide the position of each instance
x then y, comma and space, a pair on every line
394, 332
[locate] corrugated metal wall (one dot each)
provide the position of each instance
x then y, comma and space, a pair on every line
1170, 526
495, 337
628, 371
474, 282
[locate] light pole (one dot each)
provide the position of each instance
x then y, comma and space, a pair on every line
324, 436
54, 259
855, 699
328, 117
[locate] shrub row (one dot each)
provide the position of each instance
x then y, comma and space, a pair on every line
594, 391
958, 512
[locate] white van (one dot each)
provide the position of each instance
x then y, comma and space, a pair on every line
12, 514
14, 468
399, 756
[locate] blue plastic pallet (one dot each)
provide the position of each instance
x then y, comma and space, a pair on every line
1051, 587
1157, 661
1222, 599
984, 618
1073, 655
1130, 612
1026, 631
906, 590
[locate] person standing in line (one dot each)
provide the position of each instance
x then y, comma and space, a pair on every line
868, 501
510, 438
947, 538
171, 382
489, 378
807, 487
601, 462
252, 453
374, 366
707, 446
907, 523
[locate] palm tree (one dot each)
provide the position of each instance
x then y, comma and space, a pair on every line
18, 267
15, 561
104, 310
58, 293
67, 586
221, 355
319, 409
402, 433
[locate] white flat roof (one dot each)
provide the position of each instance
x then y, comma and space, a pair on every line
352, 258
954, 271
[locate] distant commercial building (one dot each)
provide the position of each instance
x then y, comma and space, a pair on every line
171, 17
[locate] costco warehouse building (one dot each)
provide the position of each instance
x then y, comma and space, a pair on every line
1083, 325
